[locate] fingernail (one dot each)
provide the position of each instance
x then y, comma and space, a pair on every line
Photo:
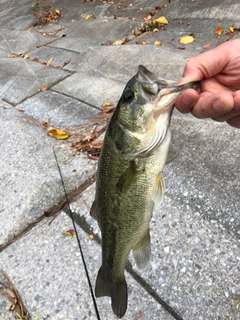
220, 105
188, 101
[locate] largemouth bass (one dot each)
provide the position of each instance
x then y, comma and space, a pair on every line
130, 180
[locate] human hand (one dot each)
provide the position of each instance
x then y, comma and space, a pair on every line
219, 94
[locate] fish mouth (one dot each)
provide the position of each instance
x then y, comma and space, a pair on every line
153, 88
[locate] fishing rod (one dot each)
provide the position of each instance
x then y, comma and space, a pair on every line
78, 240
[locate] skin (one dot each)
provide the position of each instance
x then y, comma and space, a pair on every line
219, 94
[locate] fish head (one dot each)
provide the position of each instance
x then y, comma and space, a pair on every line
142, 117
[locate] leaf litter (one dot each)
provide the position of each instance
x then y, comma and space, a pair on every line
8, 290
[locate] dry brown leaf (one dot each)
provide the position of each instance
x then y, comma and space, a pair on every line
107, 104
69, 232
57, 133
142, 42
218, 31
207, 46
118, 42
44, 88
186, 39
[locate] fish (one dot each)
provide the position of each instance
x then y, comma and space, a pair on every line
129, 179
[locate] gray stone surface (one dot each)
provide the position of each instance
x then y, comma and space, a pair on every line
21, 78
30, 178
62, 111
20, 42
195, 233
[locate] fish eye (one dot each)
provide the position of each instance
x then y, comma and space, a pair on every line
128, 95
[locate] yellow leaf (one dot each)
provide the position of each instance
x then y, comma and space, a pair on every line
58, 11
44, 88
26, 56
218, 31
162, 20
69, 232
118, 42
107, 104
232, 28
57, 133
49, 61
89, 16
186, 39
157, 43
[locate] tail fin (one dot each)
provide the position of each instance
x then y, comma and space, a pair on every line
117, 290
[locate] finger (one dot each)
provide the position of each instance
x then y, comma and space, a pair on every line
208, 64
233, 112
187, 100
234, 122
213, 105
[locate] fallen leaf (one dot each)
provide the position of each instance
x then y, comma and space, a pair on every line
142, 42
181, 22
118, 42
69, 232
186, 39
107, 104
207, 46
26, 56
232, 28
46, 121
158, 43
218, 31
49, 61
107, 110
35, 59
91, 236
57, 133
228, 34
44, 88
162, 20
89, 16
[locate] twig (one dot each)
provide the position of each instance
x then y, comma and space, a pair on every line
8, 290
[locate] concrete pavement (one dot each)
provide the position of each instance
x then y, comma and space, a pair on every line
195, 233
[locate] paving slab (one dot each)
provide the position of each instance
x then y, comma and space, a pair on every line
20, 42
27, 156
62, 111
21, 78
13, 16
59, 57
83, 34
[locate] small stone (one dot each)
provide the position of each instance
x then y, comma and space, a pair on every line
166, 249
183, 269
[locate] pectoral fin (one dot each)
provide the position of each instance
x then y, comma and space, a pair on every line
159, 189
142, 251
129, 175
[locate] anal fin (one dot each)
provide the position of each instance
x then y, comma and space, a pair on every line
142, 251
